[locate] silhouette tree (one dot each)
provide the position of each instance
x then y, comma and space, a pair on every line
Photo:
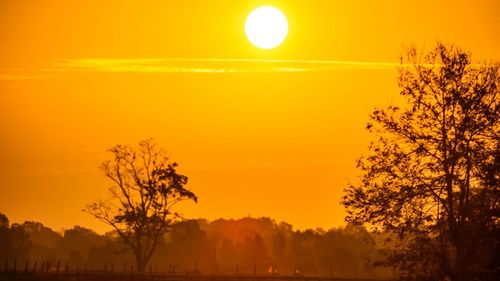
4, 221
14, 240
432, 175
44, 241
146, 187
5, 236
77, 242
21, 245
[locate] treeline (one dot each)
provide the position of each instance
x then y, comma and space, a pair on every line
244, 246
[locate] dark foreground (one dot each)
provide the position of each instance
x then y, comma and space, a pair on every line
76, 276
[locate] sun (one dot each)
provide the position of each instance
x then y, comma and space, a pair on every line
266, 27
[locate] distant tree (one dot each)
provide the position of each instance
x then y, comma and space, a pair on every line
280, 246
41, 234
432, 174
259, 253
186, 244
302, 249
44, 241
146, 187
227, 254
5, 236
21, 245
14, 241
4, 221
77, 242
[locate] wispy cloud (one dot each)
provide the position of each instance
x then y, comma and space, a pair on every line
204, 65
188, 65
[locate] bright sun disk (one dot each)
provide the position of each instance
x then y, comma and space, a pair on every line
266, 27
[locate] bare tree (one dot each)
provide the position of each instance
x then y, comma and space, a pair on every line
432, 174
145, 187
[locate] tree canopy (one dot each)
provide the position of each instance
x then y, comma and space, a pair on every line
432, 172
146, 186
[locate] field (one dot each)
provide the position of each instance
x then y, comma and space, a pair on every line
115, 276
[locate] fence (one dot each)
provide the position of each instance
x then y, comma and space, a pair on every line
58, 271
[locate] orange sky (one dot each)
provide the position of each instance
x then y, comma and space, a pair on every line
262, 138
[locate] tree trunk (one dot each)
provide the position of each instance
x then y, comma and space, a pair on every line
140, 260
141, 263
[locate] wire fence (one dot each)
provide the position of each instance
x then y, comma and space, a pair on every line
63, 272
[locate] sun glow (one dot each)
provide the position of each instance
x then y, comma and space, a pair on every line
266, 27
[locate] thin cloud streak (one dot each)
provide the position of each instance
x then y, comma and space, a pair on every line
189, 65
206, 65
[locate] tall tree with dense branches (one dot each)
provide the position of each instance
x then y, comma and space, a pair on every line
146, 185
432, 172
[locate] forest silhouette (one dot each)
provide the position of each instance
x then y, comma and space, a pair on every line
244, 246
